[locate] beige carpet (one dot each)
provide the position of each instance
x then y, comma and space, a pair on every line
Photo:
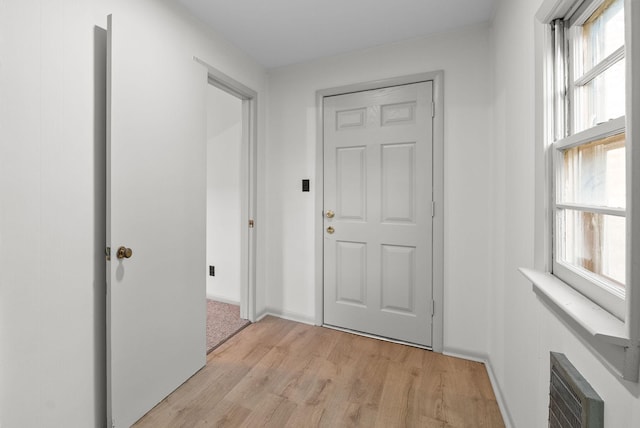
223, 321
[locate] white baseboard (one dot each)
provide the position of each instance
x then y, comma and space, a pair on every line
222, 299
261, 315
287, 315
484, 359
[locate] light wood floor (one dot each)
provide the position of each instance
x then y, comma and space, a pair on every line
280, 373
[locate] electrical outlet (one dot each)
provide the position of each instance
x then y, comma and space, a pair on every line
212, 271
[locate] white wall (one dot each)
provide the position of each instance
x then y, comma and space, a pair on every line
52, 348
224, 141
464, 56
52, 319
523, 329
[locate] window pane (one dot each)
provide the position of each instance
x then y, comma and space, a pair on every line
593, 243
603, 33
594, 173
601, 99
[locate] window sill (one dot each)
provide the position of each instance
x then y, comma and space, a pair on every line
573, 306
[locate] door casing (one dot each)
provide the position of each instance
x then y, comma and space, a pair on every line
248, 184
437, 77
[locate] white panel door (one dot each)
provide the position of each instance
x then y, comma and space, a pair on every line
156, 207
378, 220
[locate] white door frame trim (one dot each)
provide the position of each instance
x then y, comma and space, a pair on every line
437, 77
249, 183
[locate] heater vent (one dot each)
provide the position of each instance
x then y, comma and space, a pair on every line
573, 403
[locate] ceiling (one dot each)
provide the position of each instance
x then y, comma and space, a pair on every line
282, 32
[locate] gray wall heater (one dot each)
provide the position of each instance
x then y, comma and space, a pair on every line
573, 403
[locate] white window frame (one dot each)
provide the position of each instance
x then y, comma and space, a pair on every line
615, 338
564, 52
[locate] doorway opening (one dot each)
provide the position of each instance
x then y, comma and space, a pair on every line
230, 206
224, 215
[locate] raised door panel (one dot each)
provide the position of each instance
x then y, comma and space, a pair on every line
351, 273
398, 282
398, 183
351, 183
351, 119
398, 114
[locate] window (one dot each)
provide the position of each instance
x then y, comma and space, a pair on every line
589, 174
587, 211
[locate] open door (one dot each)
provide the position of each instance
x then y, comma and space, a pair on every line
156, 200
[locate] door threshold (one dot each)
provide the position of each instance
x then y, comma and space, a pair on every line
372, 336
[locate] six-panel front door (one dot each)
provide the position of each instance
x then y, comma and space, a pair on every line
378, 154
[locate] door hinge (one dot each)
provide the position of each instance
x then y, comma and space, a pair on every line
252, 223
433, 209
433, 109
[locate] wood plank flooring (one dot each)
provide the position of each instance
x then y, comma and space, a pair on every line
278, 373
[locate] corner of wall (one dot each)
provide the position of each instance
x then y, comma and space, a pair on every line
497, 390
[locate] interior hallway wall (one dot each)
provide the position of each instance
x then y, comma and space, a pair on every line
224, 143
523, 329
464, 55
52, 292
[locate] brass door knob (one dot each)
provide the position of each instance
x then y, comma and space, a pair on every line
330, 214
330, 230
124, 253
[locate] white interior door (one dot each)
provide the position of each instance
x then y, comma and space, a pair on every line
378, 151
156, 198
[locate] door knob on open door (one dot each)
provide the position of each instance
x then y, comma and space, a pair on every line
330, 230
124, 253
330, 214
